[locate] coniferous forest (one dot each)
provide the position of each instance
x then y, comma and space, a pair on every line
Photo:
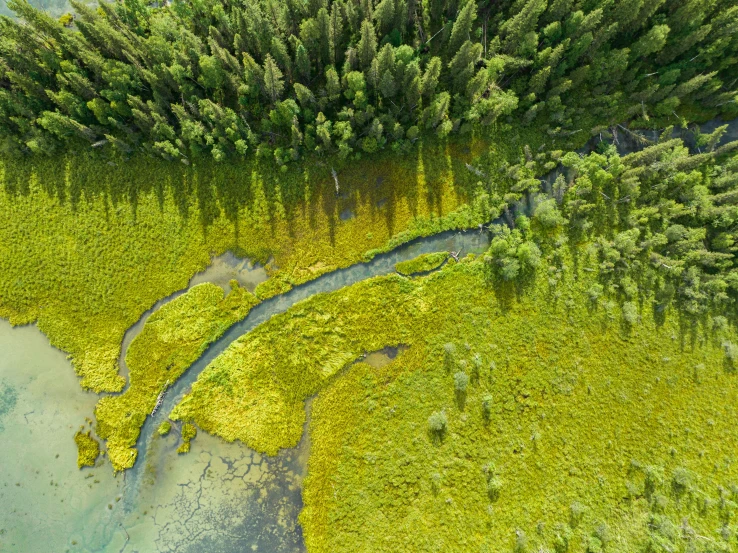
285, 79
340, 276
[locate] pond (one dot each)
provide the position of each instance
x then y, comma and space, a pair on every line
219, 497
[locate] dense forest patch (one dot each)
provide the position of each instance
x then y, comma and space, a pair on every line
345, 78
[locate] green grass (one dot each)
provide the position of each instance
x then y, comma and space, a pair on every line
254, 391
422, 263
170, 341
575, 425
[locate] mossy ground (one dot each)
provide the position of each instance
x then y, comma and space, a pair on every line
88, 449
422, 263
596, 431
85, 262
170, 341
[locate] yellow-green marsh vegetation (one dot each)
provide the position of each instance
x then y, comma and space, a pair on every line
422, 263
188, 434
88, 449
85, 265
559, 418
170, 341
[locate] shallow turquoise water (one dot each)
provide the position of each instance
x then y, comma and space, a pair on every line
219, 497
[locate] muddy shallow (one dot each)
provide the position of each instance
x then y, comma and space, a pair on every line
218, 498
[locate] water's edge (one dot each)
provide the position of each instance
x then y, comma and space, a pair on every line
463, 241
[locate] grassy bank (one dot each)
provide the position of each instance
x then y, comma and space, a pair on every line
422, 263
519, 417
171, 340
85, 266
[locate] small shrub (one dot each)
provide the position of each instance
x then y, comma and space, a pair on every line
436, 482
576, 512
659, 503
437, 423
654, 479
719, 323
476, 366
630, 313
494, 485
461, 382
681, 481
731, 351
164, 428
602, 533
521, 541
562, 538
487, 406
449, 355
594, 545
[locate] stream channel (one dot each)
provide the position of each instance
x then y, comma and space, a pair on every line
220, 497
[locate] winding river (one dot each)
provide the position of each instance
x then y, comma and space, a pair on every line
220, 497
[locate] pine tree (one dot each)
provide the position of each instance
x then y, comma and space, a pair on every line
384, 15
273, 83
387, 85
323, 22
367, 46
461, 31
302, 62
517, 28
386, 59
332, 84
336, 33
461, 66
650, 43
430, 78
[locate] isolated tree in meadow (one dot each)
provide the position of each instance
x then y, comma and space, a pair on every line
461, 382
437, 423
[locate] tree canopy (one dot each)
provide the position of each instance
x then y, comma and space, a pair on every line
287, 78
